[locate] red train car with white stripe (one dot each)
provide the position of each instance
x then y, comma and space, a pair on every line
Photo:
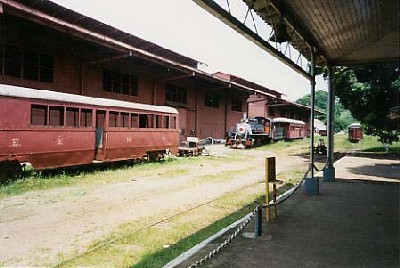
51, 129
288, 129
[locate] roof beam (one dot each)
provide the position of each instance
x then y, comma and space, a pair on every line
235, 24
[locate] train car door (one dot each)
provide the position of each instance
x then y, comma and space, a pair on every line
100, 126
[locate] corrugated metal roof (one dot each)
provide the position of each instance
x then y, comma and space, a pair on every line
345, 32
247, 83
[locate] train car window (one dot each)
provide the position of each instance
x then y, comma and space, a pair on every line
56, 116
173, 122
146, 121
125, 122
150, 120
12, 61
165, 121
72, 117
86, 118
142, 120
158, 121
39, 115
113, 119
134, 120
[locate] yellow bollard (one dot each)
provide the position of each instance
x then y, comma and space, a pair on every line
270, 177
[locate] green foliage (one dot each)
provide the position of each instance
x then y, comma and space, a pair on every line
343, 117
368, 93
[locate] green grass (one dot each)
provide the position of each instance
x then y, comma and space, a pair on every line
135, 245
121, 173
367, 144
289, 147
177, 166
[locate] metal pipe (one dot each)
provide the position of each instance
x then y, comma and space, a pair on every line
329, 170
312, 80
226, 111
196, 121
258, 222
331, 119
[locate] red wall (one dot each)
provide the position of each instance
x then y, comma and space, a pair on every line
78, 69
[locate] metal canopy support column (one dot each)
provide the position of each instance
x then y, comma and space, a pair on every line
311, 183
329, 171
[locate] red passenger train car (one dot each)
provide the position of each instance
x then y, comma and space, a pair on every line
51, 129
288, 129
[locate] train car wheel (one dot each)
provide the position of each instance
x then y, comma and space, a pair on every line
258, 142
9, 170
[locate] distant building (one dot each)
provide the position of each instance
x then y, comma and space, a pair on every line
319, 126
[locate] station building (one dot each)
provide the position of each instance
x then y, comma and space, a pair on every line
45, 46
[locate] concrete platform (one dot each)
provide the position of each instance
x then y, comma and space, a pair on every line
354, 222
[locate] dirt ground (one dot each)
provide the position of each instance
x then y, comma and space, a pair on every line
42, 228
353, 222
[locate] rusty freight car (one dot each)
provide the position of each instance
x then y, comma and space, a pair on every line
355, 132
51, 129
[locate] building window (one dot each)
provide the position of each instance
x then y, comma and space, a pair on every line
46, 68
27, 64
31, 65
211, 99
175, 93
237, 103
12, 61
271, 111
120, 83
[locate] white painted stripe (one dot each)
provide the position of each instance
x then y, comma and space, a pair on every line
186, 255
22, 92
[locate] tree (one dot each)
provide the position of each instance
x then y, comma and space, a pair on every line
369, 92
343, 117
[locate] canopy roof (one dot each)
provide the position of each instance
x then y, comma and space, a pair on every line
345, 33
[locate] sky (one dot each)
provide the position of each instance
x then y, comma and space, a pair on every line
184, 27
